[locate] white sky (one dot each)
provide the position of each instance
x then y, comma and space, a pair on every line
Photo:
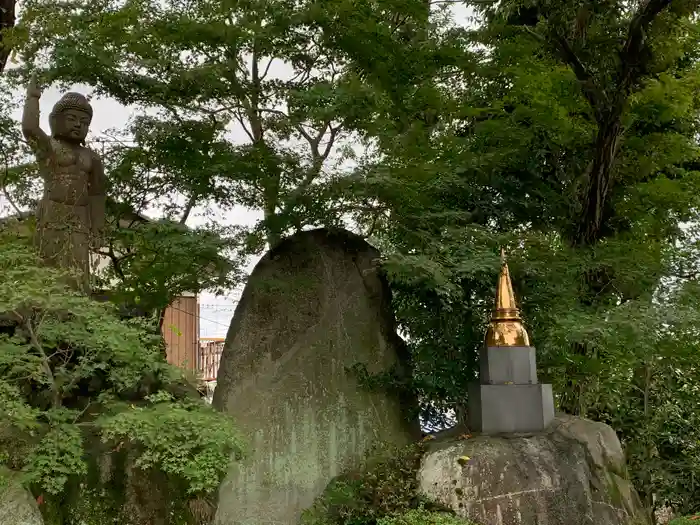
110, 115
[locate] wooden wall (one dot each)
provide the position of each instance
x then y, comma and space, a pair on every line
181, 332
210, 350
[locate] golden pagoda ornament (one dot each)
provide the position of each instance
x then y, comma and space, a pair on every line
506, 326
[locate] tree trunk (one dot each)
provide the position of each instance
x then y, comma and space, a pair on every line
590, 229
608, 106
7, 21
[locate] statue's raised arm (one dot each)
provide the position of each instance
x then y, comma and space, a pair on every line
37, 138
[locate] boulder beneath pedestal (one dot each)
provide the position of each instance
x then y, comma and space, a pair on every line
573, 473
314, 307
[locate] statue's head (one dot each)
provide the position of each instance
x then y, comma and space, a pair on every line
70, 118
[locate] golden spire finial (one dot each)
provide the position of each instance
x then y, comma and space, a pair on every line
506, 327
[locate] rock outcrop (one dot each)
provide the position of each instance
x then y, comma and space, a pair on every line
314, 307
17, 506
572, 474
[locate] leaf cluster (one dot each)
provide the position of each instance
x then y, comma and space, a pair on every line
423, 517
72, 370
153, 262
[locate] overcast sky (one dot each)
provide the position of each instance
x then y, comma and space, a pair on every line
216, 312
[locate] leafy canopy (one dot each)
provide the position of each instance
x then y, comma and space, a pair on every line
251, 102
565, 132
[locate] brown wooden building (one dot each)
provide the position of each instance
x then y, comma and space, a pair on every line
181, 332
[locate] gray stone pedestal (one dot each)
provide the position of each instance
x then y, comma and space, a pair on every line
506, 409
508, 398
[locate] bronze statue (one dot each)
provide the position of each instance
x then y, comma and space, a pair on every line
71, 213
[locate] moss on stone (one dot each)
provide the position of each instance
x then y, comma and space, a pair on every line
421, 516
613, 490
116, 493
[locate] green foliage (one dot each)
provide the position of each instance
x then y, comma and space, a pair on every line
385, 485
151, 263
686, 520
56, 457
565, 132
95, 507
523, 103
421, 516
182, 439
209, 75
70, 369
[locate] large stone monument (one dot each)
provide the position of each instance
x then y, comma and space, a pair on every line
71, 213
314, 307
508, 398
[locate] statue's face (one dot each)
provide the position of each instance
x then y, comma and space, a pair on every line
73, 125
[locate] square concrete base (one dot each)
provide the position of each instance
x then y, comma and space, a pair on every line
508, 409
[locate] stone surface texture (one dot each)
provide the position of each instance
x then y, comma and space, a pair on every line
507, 399
509, 364
314, 307
572, 474
17, 506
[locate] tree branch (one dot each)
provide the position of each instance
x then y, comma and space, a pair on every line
5, 191
188, 209
596, 97
45, 365
632, 58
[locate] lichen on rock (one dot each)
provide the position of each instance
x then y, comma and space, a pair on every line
573, 473
17, 505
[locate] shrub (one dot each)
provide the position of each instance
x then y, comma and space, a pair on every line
73, 373
686, 520
385, 486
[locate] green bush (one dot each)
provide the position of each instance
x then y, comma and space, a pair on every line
686, 520
385, 486
78, 384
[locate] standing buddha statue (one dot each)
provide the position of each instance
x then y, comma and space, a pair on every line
71, 212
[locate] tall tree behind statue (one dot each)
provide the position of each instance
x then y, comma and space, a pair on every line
510, 159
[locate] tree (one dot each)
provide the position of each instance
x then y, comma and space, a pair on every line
73, 375
612, 49
209, 66
152, 262
517, 156
7, 22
